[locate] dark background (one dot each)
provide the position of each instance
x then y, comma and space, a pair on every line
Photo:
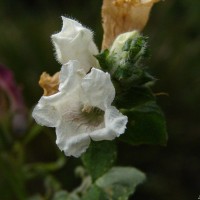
174, 38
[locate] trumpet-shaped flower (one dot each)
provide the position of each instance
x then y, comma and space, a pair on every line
81, 110
75, 42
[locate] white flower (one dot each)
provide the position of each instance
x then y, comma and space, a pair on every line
75, 42
81, 110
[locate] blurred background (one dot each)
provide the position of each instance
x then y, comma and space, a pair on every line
25, 48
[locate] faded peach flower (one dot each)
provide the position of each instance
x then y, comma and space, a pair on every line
132, 2
122, 16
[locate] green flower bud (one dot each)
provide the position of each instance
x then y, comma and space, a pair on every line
125, 60
119, 42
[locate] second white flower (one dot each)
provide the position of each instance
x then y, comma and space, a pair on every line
75, 42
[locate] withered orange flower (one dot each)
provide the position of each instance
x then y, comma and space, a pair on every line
49, 83
121, 16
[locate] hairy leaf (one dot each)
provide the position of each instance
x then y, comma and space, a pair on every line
120, 182
95, 193
99, 158
146, 125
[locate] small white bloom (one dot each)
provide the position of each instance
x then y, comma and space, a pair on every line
75, 42
81, 110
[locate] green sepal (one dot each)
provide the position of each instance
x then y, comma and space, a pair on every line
136, 49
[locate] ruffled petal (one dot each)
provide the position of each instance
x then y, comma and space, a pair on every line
75, 42
69, 25
115, 125
98, 90
72, 138
103, 134
115, 120
46, 115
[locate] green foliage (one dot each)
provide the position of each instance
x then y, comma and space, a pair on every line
95, 193
117, 184
99, 158
146, 125
135, 96
63, 195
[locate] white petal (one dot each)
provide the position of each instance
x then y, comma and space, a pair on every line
98, 89
71, 75
70, 24
115, 120
75, 42
49, 110
103, 134
46, 115
71, 139
115, 125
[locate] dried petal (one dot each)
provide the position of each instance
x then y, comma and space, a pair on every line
49, 83
132, 2
122, 16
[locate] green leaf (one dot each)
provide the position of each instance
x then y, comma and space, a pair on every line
134, 97
61, 195
99, 158
95, 193
120, 182
64, 195
146, 125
